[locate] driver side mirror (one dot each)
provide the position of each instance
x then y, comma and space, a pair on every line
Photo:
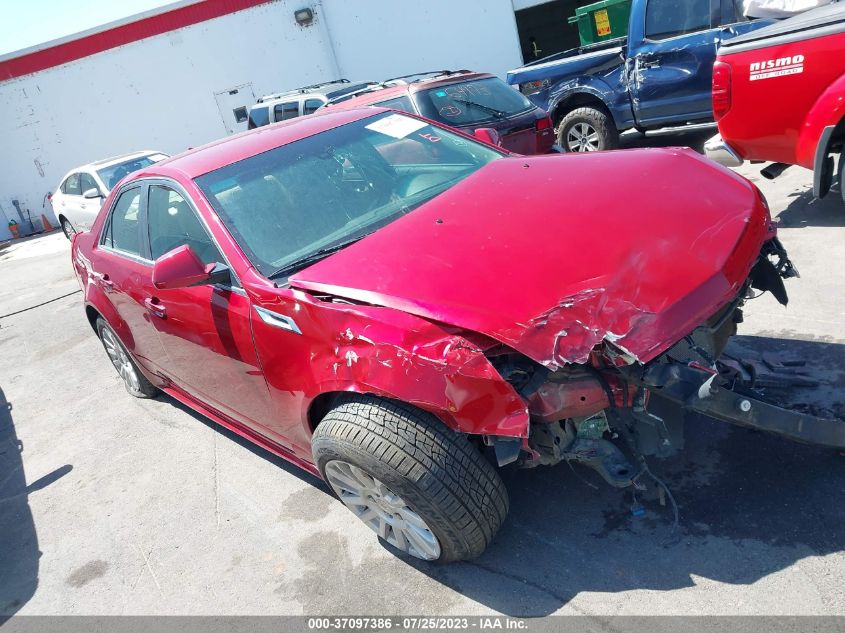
488, 135
181, 268
92, 193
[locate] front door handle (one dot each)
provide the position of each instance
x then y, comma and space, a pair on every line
648, 62
152, 304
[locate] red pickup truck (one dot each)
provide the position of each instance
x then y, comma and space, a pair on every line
779, 95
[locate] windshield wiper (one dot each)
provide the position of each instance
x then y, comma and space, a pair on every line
314, 257
494, 111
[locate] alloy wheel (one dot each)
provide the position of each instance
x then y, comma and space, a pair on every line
382, 510
120, 359
582, 137
67, 229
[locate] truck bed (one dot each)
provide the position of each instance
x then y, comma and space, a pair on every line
816, 23
582, 59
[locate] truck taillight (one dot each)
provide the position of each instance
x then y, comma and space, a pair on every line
544, 124
721, 89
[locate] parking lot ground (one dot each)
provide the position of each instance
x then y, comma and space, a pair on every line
113, 505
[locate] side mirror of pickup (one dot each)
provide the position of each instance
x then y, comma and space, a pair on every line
488, 135
92, 193
181, 268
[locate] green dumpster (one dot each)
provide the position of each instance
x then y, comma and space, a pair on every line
605, 20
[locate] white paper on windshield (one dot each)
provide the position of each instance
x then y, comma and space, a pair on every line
396, 125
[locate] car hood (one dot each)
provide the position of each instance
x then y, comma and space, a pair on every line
552, 255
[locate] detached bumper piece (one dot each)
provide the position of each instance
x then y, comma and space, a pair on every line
697, 389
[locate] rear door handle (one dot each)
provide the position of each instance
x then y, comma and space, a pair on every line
152, 304
103, 280
648, 62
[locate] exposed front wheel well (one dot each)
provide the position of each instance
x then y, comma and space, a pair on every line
825, 166
92, 315
579, 100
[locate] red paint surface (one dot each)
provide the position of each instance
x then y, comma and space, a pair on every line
781, 118
87, 45
638, 247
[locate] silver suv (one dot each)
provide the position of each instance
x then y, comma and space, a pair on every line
301, 101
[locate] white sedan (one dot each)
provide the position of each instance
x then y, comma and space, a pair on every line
78, 198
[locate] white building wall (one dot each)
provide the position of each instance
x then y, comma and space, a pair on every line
158, 93
388, 38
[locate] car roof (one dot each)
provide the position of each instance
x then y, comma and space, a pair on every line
106, 162
231, 149
379, 93
325, 90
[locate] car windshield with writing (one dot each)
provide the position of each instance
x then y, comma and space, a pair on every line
297, 203
470, 102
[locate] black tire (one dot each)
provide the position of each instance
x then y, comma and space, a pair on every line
67, 228
139, 387
598, 121
436, 472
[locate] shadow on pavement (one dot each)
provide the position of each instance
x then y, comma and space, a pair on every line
252, 447
751, 505
19, 552
806, 210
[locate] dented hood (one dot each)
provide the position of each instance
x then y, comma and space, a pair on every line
551, 255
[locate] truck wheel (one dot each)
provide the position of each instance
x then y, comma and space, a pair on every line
587, 130
423, 488
134, 381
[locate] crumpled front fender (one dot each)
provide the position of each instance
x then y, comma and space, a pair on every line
345, 348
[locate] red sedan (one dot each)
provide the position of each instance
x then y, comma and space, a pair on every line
400, 309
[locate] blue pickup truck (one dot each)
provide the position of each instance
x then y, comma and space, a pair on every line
659, 76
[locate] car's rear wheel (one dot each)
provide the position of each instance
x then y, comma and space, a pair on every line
423, 488
67, 228
587, 130
134, 381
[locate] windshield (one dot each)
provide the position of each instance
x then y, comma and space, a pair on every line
471, 102
112, 174
299, 200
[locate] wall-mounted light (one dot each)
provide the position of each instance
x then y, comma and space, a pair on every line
303, 17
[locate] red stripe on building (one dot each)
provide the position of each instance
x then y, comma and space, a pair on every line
87, 45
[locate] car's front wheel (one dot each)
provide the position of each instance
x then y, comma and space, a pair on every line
134, 381
421, 487
67, 228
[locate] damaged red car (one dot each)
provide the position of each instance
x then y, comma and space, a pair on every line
402, 310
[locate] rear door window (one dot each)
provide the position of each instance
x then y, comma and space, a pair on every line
258, 117
71, 186
284, 111
469, 102
671, 18
732, 11
122, 231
